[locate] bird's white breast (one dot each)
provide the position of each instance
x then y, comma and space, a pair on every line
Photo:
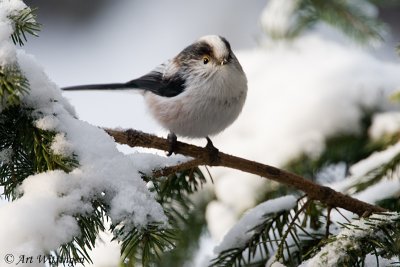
205, 108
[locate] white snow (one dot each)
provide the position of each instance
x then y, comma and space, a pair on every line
385, 188
106, 253
370, 261
388, 186
204, 254
217, 210
276, 264
237, 198
333, 252
43, 218
7, 51
242, 231
375, 160
331, 173
300, 94
149, 162
278, 17
384, 123
47, 123
61, 146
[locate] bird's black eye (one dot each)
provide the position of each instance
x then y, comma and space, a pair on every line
206, 60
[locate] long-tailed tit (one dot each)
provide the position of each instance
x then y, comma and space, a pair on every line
198, 93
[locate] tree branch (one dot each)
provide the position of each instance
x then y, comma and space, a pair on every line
201, 156
177, 168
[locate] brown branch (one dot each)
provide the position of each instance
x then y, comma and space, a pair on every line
314, 191
177, 168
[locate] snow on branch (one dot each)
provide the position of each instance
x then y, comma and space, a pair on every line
376, 235
314, 191
289, 18
257, 232
64, 175
243, 230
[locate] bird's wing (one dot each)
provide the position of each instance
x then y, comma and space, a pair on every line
159, 82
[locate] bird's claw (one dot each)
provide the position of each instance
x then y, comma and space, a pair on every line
173, 143
212, 151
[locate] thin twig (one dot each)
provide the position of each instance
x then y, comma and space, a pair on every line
177, 168
328, 221
342, 215
279, 252
324, 194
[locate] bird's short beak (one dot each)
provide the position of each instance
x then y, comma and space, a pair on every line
224, 61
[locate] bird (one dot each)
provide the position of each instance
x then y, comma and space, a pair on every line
196, 94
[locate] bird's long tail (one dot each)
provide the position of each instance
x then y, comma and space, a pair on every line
104, 86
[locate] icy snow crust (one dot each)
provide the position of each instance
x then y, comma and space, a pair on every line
43, 218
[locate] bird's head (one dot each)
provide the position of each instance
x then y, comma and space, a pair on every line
208, 55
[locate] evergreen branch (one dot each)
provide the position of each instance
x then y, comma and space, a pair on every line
30, 152
178, 185
324, 194
328, 222
347, 16
148, 244
90, 225
306, 238
385, 140
15, 136
12, 86
24, 23
45, 159
378, 235
289, 230
189, 217
391, 203
143, 245
348, 148
268, 232
312, 216
279, 234
341, 214
173, 193
29, 148
375, 175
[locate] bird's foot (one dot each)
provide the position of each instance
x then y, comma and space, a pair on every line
173, 143
212, 151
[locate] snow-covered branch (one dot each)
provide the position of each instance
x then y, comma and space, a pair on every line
314, 191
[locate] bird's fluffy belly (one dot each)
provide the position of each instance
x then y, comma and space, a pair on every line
195, 117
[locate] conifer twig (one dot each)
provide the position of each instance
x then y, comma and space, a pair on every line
328, 221
324, 194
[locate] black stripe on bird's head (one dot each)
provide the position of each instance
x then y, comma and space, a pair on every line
208, 49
